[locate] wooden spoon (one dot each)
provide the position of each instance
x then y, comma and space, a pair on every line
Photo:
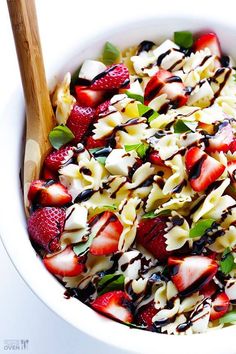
39, 113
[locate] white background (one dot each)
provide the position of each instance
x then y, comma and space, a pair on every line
22, 314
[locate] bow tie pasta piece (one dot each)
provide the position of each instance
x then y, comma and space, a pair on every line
177, 232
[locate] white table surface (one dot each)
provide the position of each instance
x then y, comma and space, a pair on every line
22, 315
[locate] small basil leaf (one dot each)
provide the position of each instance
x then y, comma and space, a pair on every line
109, 207
60, 136
110, 282
227, 261
147, 112
142, 149
101, 159
135, 96
183, 39
201, 227
152, 215
182, 126
131, 147
228, 317
111, 54
94, 150
83, 247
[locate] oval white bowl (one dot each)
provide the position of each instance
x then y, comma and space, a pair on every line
13, 223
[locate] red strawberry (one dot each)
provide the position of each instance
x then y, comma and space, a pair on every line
232, 146
65, 263
79, 121
87, 97
91, 143
146, 314
219, 306
208, 40
165, 82
150, 234
115, 304
189, 274
202, 168
58, 158
107, 230
209, 289
114, 77
35, 188
47, 174
45, 226
103, 107
155, 159
222, 139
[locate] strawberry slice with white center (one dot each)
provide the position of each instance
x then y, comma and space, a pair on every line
189, 274
203, 169
114, 77
88, 98
65, 263
219, 306
107, 229
115, 304
48, 193
164, 82
208, 40
222, 139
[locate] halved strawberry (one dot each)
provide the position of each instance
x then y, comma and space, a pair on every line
115, 304
107, 229
58, 158
103, 107
189, 274
219, 306
209, 289
222, 139
114, 77
47, 174
65, 263
150, 234
91, 143
155, 159
145, 315
232, 146
87, 97
203, 169
45, 227
79, 121
35, 188
164, 82
208, 40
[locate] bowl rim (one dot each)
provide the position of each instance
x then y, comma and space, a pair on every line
59, 306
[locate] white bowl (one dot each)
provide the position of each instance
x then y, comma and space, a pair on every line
13, 224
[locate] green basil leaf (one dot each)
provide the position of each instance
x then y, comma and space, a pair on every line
110, 282
152, 215
101, 159
147, 112
142, 150
131, 147
111, 54
227, 261
109, 207
200, 227
234, 76
83, 247
183, 39
228, 317
182, 126
92, 151
60, 136
135, 96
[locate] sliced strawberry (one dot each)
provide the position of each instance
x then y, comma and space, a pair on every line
155, 159
222, 139
45, 227
189, 274
65, 263
58, 158
150, 234
91, 143
232, 146
114, 77
220, 306
47, 174
35, 188
103, 107
87, 97
115, 304
107, 230
208, 40
164, 82
145, 315
79, 121
209, 289
203, 169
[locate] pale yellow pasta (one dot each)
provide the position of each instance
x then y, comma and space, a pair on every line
177, 235
106, 125
227, 240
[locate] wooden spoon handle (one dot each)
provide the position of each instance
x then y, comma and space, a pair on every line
39, 112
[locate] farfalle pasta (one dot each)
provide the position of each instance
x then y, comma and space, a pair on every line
135, 210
